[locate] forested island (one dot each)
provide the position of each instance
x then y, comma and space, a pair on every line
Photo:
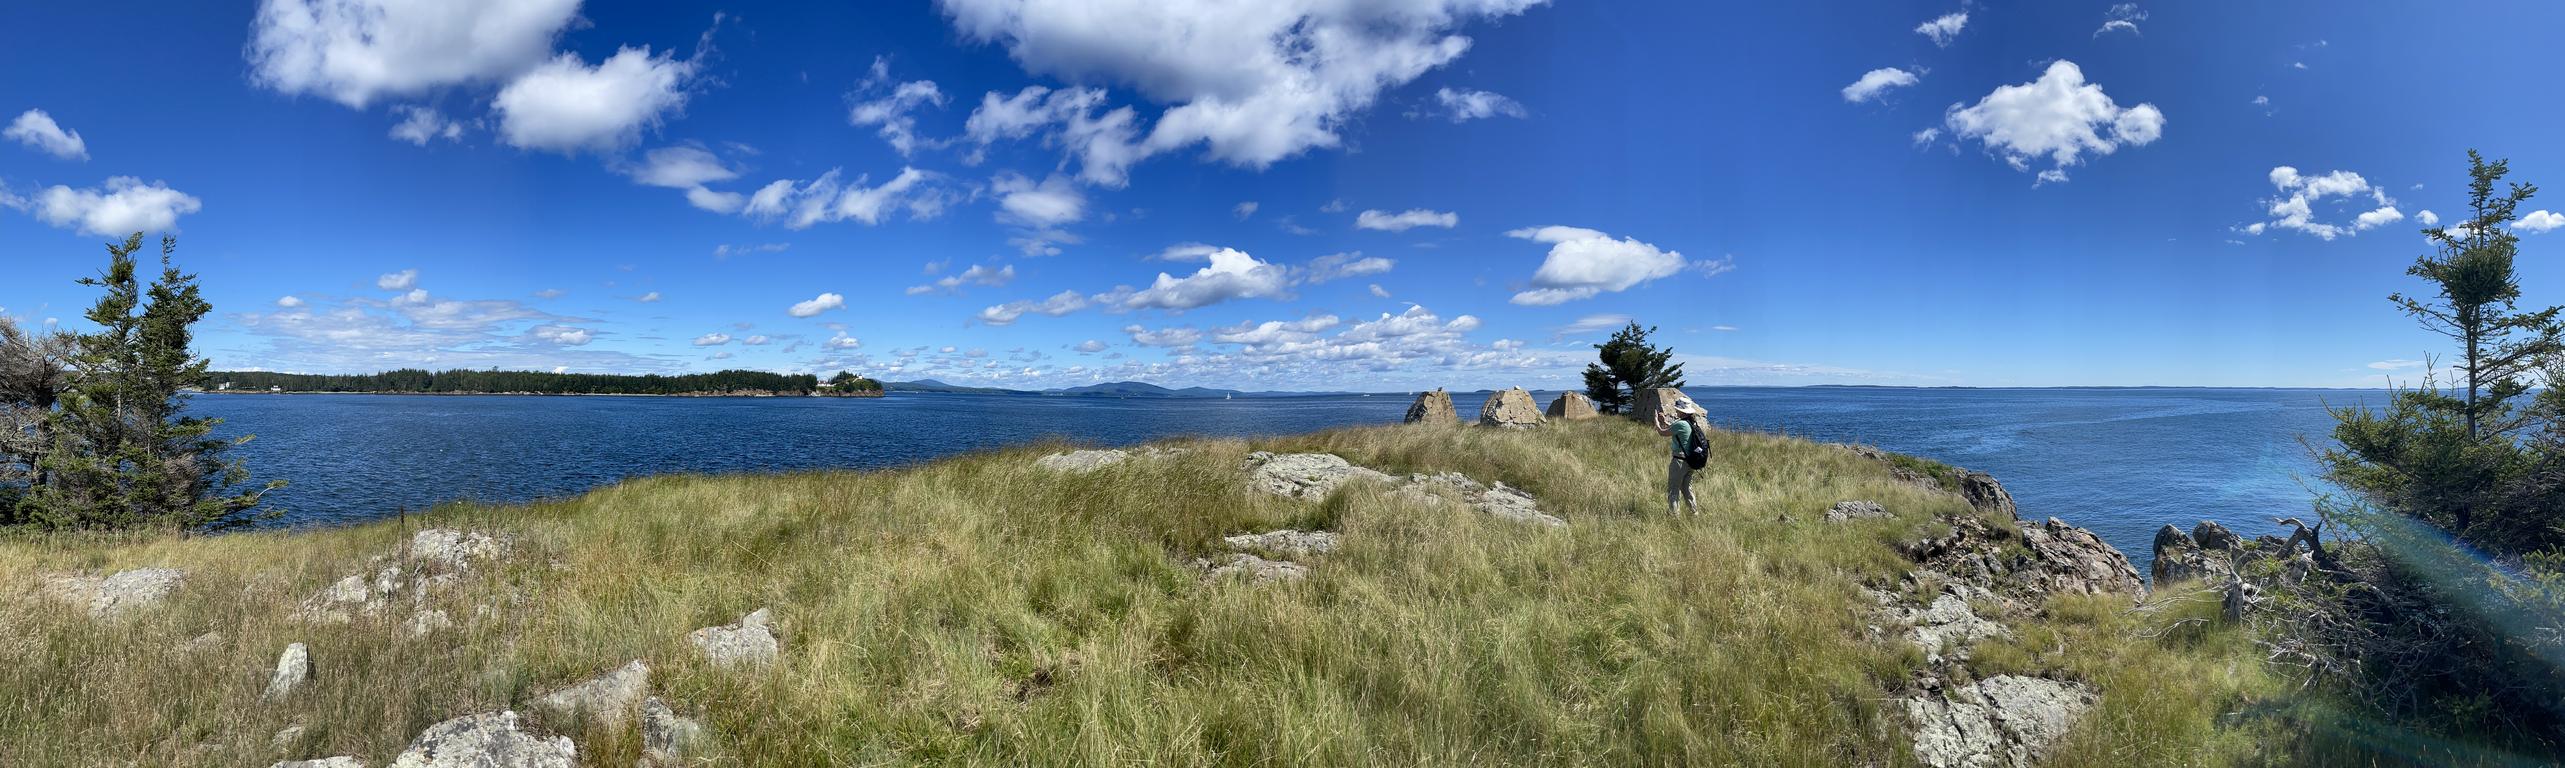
494, 382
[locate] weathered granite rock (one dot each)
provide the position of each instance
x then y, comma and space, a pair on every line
116, 595
1081, 462
2054, 558
456, 550
1499, 500
341, 761
668, 740
1647, 404
293, 668
2070, 560
1845, 511
2007, 720
1308, 476
610, 698
490, 740
1511, 408
1947, 626
1433, 408
751, 641
1287, 543
1982, 492
1571, 406
2210, 535
1255, 569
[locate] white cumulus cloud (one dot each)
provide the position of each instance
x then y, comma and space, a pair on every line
36, 129
1583, 263
821, 303
2058, 117
1232, 274
353, 51
564, 105
398, 281
1876, 82
1944, 28
2304, 200
124, 206
2539, 221
889, 110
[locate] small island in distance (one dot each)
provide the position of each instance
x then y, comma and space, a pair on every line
414, 381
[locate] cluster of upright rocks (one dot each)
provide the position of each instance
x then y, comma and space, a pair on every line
1515, 409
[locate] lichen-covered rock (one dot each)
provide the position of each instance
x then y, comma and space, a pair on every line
455, 550
1647, 405
1946, 626
1845, 511
2069, 560
1433, 408
668, 740
1499, 500
293, 668
750, 641
116, 595
2007, 720
1083, 461
1255, 569
341, 761
490, 740
1512, 408
1571, 406
1287, 543
610, 698
1309, 476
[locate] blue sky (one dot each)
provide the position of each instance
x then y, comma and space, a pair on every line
1283, 195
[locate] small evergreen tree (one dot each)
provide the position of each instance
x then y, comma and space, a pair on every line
120, 454
1626, 365
35, 368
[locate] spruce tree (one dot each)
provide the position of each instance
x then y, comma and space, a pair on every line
1626, 365
121, 453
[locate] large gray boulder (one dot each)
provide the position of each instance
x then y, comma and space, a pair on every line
1571, 406
2007, 720
1512, 408
490, 740
610, 698
1309, 476
1433, 408
1647, 405
750, 641
293, 668
1501, 501
120, 594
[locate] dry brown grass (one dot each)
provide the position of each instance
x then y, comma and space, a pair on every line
980, 610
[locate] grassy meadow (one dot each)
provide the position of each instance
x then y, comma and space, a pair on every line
981, 610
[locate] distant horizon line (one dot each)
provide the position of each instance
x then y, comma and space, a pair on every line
940, 382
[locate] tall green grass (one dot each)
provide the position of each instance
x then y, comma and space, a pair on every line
980, 610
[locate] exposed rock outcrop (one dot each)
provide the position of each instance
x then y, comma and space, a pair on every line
454, 550
120, 594
1648, 404
1512, 408
1433, 408
435, 559
1309, 476
1255, 569
1090, 460
610, 698
2007, 720
293, 668
1571, 406
1499, 500
750, 641
341, 761
1845, 511
490, 740
668, 740
1287, 543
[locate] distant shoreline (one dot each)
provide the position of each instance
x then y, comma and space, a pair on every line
857, 395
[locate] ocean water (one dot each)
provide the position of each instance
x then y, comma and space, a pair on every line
2120, 461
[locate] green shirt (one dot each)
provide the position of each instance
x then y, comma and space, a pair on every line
1682, 435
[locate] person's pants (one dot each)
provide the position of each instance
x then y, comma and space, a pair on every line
1678, 484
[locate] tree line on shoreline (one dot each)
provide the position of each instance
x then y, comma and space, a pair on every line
462, 381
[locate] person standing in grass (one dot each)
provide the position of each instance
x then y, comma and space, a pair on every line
1690, 429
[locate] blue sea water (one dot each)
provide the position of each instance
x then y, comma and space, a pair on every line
2119, 461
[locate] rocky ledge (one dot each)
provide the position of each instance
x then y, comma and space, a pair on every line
1964, 586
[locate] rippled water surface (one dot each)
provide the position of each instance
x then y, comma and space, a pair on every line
2119, 461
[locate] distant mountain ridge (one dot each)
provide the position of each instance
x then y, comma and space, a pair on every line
1128, 389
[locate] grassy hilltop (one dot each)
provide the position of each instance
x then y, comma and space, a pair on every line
984, 610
